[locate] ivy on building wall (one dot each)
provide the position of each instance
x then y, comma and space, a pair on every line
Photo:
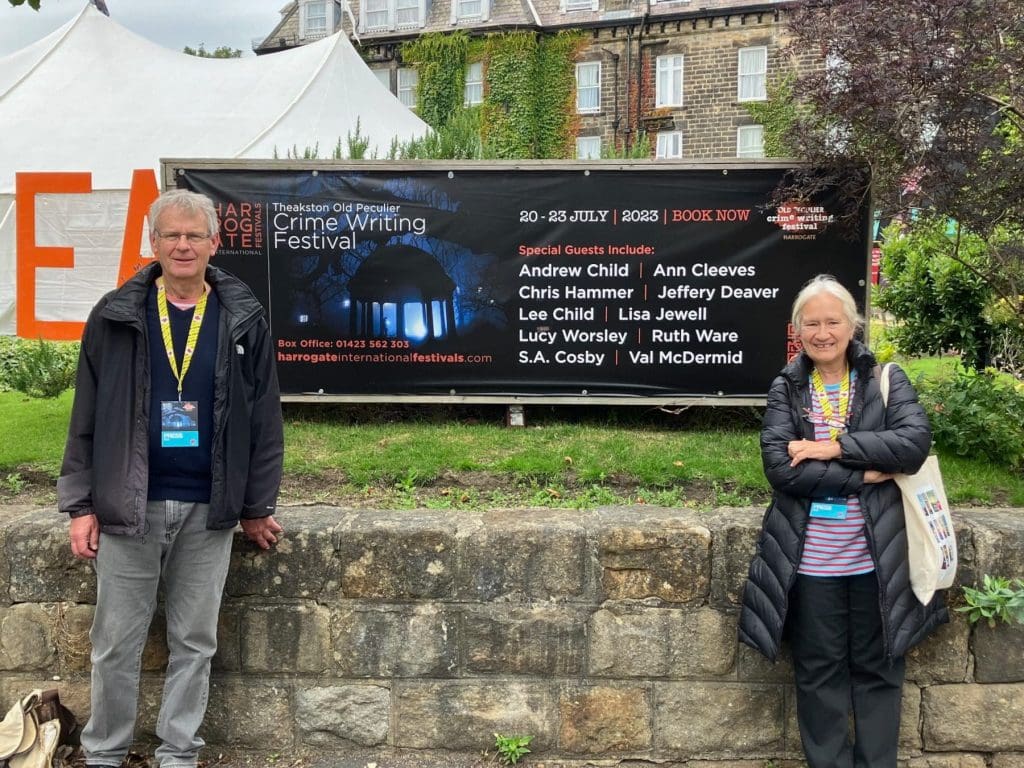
529, 89
776, 115
440, 62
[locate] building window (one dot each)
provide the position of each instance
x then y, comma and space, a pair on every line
579, 5
750, 141
588, 87
316, 18
669, 85
588, 147
753, 68
407, 13
474, 84
376, 12
384, 75
469, 9
408, 80
670, 145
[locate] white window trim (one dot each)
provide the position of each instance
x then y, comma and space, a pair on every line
484, 15
465, 89
659, 97
391, 6
597, 108
579, 5
763, 93
415, 90
668, 135
739, 142
589, 139
329, 20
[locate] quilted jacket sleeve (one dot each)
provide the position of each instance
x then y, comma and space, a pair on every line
896, 438
810, 479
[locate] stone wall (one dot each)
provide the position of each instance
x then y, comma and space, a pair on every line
607, 635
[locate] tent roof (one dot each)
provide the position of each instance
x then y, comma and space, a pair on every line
94, 96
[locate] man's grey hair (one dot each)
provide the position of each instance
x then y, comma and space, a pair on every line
188, 202
826, 284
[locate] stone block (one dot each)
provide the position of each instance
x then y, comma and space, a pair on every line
397, 556
229, 638
340, 715
71, 634
662, 642
662, 556
301, 565
249, 713
998, 537
12, 520
732, 546
464, 716
605, 720
1008, 760
523, 640
998, 653
910, 718
42, 568
393, 641
522, 556
27, 638
944, 657
982, 718
957, 760
718, 719
285, 639
752, 667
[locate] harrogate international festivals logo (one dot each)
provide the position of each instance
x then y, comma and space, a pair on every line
241, 226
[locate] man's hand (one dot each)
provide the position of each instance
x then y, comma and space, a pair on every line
262, 530
812, 449
85, 536
874, 476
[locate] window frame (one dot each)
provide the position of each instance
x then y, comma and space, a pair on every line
740, 131
405, 88
596, 139
761, 76
590, 110
673, 135
660, 99
466, 102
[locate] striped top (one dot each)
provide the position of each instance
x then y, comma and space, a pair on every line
834, 547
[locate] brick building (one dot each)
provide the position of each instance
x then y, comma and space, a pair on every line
682, 70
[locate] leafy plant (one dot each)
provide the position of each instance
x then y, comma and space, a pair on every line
41, 368
976, 414
511, 748
999, 600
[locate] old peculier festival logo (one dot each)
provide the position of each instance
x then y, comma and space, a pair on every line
241, 226
799, 221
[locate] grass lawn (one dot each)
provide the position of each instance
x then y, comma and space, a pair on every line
418, 456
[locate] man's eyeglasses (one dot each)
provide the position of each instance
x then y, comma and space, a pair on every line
172, 238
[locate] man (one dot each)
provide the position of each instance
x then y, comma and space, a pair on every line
175, 437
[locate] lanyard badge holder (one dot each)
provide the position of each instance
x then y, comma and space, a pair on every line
179, 419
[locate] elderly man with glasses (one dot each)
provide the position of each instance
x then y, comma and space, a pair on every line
175, 438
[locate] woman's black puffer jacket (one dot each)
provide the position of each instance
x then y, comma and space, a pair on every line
896, 439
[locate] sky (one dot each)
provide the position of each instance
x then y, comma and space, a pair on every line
170, 23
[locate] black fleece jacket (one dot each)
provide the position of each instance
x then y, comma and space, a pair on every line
106, 457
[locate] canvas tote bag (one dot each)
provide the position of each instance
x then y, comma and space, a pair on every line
931, 542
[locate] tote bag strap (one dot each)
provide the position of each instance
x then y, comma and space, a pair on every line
883, 383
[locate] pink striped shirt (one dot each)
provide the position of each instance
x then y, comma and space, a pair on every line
834, 547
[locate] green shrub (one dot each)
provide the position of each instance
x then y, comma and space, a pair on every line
37, 368
999, 600
977, 414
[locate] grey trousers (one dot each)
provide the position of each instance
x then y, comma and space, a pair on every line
192, 563
840, 667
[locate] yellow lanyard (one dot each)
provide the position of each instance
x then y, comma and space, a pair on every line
835, 425
165, 331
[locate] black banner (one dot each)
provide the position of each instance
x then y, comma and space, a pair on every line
657, 281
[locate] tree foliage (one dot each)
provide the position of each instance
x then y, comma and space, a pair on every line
221, 52
33, 4
930, 99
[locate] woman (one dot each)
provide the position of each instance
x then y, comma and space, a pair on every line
831, 561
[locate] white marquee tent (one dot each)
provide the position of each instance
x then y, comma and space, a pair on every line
93, 96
